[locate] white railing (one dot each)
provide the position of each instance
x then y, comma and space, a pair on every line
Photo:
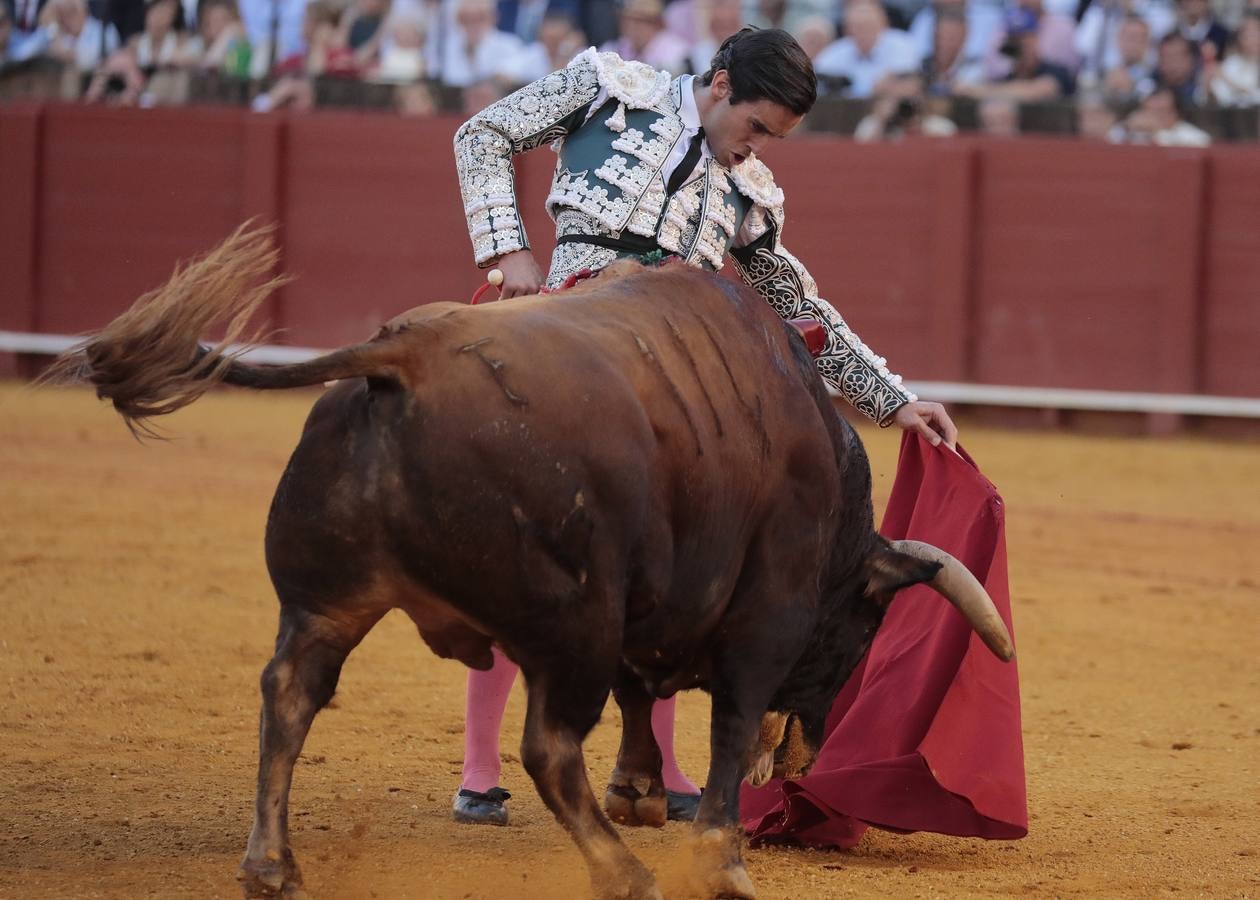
941, 391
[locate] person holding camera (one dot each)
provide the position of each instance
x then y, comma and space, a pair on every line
904, 111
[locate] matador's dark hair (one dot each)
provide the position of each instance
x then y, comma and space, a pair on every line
766, 63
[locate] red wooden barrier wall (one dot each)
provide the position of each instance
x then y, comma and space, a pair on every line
1029, 262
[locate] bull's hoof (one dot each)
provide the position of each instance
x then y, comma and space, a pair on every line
636, 801
719, 871
731, 882
635, 884
274, 875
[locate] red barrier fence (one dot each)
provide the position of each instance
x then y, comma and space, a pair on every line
1026, 262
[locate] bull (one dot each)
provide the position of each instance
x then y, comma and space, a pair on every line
637, 486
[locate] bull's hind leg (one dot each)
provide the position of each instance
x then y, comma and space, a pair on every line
298, 682
636, 793
561, 712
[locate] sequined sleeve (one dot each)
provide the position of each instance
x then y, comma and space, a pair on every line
846, 363
537, 114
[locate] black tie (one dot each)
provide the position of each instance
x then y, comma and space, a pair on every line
687, 166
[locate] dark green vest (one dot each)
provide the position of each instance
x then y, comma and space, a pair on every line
615, 178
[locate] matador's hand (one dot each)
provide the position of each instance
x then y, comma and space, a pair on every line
930, 420
521, 275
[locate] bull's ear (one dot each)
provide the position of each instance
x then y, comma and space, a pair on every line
888, 571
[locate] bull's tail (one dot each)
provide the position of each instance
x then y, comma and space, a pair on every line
149, 361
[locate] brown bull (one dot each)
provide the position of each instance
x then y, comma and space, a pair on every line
639, 485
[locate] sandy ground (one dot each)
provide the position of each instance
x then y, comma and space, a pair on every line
135, 616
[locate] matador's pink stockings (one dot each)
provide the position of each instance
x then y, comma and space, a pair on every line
486, 699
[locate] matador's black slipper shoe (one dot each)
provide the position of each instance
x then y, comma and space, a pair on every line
682, 807
476, 808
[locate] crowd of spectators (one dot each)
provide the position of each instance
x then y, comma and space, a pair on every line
1133, 70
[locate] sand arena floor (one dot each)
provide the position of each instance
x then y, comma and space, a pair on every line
135, 616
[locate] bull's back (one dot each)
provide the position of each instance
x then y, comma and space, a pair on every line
676, 373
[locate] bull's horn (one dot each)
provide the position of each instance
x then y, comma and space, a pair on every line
956, 584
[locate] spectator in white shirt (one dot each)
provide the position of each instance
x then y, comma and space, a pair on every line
478, 51
74, 36
869, 53
1236, 82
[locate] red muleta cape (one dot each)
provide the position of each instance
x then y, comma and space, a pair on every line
925, 735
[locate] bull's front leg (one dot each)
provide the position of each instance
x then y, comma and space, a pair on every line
636, 792
736, 723
747, 671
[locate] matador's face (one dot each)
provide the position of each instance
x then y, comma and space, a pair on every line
734, 131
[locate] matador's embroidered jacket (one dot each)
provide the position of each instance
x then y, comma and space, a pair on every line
614, 125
